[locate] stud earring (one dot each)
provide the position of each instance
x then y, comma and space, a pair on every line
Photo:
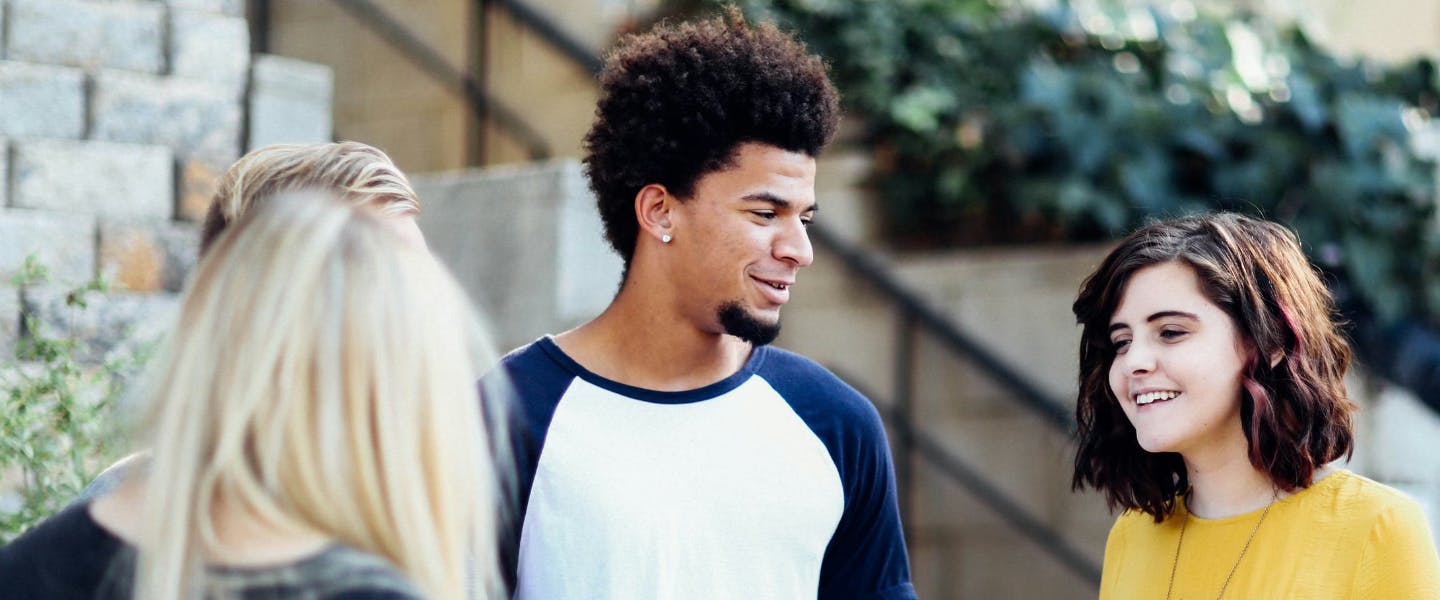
665, 238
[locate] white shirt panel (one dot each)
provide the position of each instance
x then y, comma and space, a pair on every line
730, 497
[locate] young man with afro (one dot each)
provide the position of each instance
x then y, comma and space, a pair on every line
664, 450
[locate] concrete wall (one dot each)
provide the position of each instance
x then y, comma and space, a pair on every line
551, 94
388, 101
526, 243
1387, 30
383, 98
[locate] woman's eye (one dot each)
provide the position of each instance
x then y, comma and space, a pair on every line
1119, 346
1172, 334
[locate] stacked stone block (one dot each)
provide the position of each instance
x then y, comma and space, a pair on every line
117, 117
90, 35
115, 120
289, 101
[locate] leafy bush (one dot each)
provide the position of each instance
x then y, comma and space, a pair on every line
1078, 123
57, 427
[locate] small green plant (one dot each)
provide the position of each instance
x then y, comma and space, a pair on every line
57, 423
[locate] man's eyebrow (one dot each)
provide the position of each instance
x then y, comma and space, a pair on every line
777, 201
1159, 315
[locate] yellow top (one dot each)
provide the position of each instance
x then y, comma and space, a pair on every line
1343, 537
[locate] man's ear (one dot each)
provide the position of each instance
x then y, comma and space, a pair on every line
653, 204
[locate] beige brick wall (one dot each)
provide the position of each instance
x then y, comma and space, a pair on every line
382, 98
1387, 30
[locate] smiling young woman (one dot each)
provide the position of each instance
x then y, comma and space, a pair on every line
1211, 406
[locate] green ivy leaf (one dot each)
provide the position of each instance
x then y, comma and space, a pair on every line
919, 108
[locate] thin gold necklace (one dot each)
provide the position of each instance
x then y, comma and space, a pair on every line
1180, 542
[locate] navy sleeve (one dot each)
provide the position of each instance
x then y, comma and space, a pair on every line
866, 557
523, 390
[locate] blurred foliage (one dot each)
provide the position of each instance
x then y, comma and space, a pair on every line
57, 424
1079, 122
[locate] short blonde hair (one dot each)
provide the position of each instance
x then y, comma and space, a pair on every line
357, 173
322, 373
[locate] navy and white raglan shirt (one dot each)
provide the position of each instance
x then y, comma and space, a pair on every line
775, 482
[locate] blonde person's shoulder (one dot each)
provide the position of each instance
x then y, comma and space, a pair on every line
118, 510
111, 477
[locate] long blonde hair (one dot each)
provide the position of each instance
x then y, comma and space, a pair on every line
322, 373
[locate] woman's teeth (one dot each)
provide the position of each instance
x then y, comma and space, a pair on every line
1150, 397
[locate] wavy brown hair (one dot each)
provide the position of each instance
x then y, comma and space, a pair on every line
1295, 413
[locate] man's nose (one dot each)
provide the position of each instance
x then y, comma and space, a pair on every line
794, 246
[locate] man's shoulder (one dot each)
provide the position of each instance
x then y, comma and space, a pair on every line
809, 387
529, 353
787, 364
532, 377
537, 363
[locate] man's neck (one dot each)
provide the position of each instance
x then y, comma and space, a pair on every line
640, 340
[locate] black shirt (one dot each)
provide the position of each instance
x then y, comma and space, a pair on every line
71, 556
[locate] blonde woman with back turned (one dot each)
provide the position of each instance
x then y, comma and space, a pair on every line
360, 174
313, 431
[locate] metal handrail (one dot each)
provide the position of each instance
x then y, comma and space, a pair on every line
860, 263
429, 60
1007, 507
915, 313
560, 39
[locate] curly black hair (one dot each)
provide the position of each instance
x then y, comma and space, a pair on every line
677, 101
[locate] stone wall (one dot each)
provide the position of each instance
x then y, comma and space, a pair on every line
526, 243
116, 119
